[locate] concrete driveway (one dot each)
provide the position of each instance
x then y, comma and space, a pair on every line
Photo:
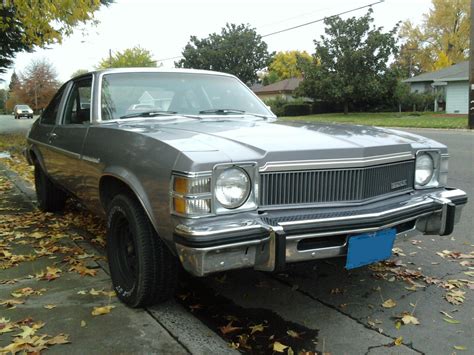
322, 307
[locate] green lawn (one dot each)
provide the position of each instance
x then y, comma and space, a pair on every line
389, 119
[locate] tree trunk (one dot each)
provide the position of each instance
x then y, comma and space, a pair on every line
346, 107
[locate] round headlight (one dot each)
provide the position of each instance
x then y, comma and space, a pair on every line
232, 188
424, 169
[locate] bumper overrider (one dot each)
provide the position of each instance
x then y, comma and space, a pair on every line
268, 240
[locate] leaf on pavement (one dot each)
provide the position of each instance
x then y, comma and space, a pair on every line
293, 334
460, 347
97, 311
398, 341
389, 303
451, 321
256, 328
409, 319
83, 323
279, 347
446, 314
83, 270
26, 332
455, 297
228, 328
58, 339
49, 306
11, 303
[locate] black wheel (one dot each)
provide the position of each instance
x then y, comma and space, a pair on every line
142, 268
50, 197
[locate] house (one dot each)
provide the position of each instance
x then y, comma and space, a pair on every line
451, 83
284, 88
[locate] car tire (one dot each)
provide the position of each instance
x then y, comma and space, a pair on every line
143, 270
50, 197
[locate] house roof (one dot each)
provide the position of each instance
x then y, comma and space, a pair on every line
287, 85
455, 72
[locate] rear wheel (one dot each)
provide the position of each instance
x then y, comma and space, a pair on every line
142, 268
50, 197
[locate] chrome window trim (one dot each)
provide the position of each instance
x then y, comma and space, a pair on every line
336, 163
71, 84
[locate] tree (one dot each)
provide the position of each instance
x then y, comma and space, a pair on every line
14, 81
25, 24
440, 41
131, 57
287, 64
3, 99
37, 85
79, 72
237, 50
350, 62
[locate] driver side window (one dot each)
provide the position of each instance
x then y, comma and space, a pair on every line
78, 106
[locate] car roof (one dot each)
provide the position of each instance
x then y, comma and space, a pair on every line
154, 70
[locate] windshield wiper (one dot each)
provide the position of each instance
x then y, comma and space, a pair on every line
149, 114
223, 111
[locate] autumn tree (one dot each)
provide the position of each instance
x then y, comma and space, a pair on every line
440, 41
3, 99
288, 64
130, 57
37, 85
237, 49
25, 24
350, 63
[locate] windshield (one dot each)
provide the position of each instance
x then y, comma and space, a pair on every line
23, 107
127, 94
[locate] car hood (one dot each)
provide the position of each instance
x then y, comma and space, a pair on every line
253, 139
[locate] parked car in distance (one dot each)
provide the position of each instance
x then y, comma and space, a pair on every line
20, 111
215, 182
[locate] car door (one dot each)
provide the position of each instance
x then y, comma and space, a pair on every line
68, 136
40, 134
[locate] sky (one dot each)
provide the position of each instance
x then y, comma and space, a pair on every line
164, 27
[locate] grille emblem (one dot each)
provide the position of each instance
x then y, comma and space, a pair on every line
398, 184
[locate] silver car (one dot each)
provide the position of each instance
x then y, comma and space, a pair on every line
213, 181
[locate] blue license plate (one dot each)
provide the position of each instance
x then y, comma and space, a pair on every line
368, 248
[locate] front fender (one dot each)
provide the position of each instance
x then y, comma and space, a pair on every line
132, 181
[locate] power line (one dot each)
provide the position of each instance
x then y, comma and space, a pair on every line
299, 26
322, 19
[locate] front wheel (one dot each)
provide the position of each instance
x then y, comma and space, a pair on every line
142, 268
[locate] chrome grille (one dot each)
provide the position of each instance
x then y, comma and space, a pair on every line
334, 185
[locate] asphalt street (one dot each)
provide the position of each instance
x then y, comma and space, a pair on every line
341, 311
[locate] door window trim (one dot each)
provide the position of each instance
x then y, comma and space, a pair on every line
70, 88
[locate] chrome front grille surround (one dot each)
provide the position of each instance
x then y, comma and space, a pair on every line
284, 188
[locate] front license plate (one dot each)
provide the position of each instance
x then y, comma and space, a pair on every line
368, 248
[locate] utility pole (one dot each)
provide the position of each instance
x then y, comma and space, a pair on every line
471, 72
110, 58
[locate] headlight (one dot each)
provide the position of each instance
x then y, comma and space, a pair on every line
18, 111
232, 188
424, 169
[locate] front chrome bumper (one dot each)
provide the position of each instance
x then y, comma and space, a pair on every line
267, 241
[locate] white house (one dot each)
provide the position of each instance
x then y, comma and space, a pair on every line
451, 82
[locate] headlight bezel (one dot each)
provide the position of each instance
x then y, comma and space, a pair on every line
215, 207
249, 168
436, 157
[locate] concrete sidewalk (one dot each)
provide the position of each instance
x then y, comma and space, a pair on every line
33, 248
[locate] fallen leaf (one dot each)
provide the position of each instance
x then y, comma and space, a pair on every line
398, 341
409, 319
389, 303
455, 296
58, 339
26, 332
83, 323
256, 328
228, 328
452, 321
49, 306
446, 314
293, 334
460, 347
97, 311
279, 347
